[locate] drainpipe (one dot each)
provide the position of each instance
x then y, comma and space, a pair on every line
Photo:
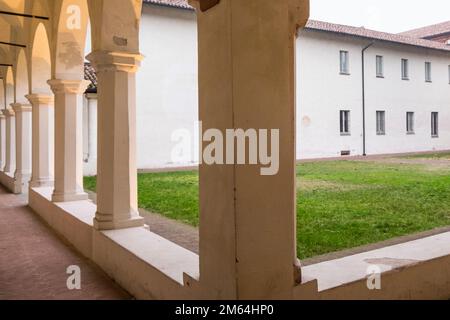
364, 96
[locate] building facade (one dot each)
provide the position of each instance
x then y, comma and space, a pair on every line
402, 83
333, 118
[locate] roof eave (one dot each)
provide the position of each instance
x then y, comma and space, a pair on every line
377, 39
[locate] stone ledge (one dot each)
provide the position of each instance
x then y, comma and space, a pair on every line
334, 277
144, 263
72, 220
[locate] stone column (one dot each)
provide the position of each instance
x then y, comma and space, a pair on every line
116, 165
10, 146
23, 146
68, 140
247, 81
2, 140
43, 140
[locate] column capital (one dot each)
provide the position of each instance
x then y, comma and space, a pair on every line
2, 116
8, 112
91, 96
38, 99
68, 86
115, 61
21, 107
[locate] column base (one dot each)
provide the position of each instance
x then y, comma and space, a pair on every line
38, 183
20, 183
103, 224
69, 197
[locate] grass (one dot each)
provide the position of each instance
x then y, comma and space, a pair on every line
437, 155
340, 204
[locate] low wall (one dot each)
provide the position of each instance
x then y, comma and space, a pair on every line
151, 267
8, 181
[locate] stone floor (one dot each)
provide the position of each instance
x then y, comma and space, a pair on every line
34, 260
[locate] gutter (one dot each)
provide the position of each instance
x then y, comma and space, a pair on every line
364, 95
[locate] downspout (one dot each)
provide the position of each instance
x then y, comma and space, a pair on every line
364, 96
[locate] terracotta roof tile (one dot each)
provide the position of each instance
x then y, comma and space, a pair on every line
90, 75
375, 35
171, 3
349, 30
429, 31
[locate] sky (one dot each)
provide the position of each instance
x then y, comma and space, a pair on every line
382, 15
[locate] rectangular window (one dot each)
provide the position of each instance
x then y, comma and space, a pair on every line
381, 126
434, 124
449, 74
428, 71
344, 63
405, 69
345, 122
380, 67
410, 122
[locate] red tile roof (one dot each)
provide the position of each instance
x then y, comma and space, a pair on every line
171, 3
346, 30
429, 31
375, 35
90, 75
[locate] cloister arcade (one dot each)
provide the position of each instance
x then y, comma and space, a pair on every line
247, 221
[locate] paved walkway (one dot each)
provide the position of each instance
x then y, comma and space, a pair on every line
34, 260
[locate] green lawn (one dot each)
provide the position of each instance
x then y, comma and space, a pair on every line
437, 155
340, 204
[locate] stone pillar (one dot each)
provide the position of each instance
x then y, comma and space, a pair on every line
23, 146
68, 140
43, 140
10, 146
116, 165
2, 140
247, 81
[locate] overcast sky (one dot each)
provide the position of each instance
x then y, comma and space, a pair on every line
382, 15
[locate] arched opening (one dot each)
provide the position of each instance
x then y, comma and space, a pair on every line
71, 40
40, 62
21, 78
9, 88
2, 93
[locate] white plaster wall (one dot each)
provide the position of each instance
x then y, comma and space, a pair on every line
90, 134
398, 96
322, 92
167, 94
167, 90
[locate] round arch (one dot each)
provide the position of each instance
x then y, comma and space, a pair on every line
22, 88
70, 40
40, 61
9, 87
2, 94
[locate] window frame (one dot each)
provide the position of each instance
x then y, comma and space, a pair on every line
344, 117
428, 75
405, 69
379, 66
381, 122
410, 125
435, 124
344, 62
449, 74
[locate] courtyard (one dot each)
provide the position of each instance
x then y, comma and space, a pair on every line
341, 204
